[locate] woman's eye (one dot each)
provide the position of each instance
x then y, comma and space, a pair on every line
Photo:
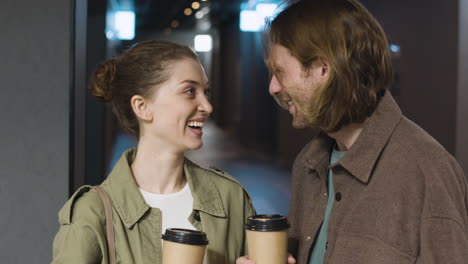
208, 93
189, 91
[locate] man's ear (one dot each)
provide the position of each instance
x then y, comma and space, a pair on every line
141, 108
325, 72
319, 68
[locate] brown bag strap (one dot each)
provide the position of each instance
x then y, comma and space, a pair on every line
109, 224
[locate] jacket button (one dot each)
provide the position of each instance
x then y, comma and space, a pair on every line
308, 238
196, 216
338, 196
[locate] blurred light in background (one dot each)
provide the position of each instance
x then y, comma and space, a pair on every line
203, 43
205, 10
394, 48
125, 24
195, 5
265, 10
252, 17
120, 25
110, 34
249, 21
206, 25
187, 11
175, 23
199, 15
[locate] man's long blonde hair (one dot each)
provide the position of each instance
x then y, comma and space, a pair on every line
346, 35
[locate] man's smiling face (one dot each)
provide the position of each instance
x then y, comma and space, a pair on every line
292, 86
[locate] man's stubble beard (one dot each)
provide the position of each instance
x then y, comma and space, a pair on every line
301, 119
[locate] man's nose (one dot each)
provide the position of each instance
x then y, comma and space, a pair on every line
275, 86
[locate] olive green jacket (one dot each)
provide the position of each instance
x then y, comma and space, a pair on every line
220, 207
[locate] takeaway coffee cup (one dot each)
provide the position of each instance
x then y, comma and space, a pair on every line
183, 246
267, 238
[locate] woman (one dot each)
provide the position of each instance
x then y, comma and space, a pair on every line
158, 92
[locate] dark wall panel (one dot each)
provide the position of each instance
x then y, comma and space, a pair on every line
427, 32
34, 113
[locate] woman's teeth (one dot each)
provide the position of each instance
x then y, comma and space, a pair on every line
196, 124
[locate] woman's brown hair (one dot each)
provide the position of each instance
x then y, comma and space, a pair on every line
137, 71
345, 34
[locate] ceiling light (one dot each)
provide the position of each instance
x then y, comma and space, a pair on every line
203, 43
195, 5
266, 10
125, 24
250, 21
253, 18
187, 11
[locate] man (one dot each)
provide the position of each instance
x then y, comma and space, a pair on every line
372, 187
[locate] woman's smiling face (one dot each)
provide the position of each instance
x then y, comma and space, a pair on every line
180, 108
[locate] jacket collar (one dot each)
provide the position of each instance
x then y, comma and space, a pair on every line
317, 155
206, 196
364, 153
131, 206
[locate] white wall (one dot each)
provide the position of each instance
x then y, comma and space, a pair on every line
34, 121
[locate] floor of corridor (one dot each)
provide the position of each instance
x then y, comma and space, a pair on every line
267, 183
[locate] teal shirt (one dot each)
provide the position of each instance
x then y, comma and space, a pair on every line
320, 248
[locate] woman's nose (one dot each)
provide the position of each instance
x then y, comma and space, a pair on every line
205, 106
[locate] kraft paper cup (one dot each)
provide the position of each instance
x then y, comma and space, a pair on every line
267, 238
183, 246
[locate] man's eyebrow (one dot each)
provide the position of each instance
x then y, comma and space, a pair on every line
272, 67
275, 69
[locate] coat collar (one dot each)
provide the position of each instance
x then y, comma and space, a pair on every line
364, 153
206, 196
130, 205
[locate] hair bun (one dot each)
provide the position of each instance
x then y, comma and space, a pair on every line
103, 77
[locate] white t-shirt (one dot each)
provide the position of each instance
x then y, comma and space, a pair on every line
175, 207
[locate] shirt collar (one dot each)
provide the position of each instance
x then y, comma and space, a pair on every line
130, 205
360, 159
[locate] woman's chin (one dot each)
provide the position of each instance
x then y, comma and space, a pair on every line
195, 146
